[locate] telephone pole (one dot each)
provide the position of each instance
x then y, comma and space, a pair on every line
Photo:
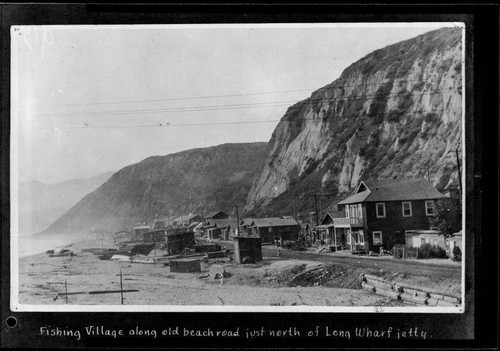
237, 222
316, 204
459, 172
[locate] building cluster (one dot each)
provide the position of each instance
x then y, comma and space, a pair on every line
377, 216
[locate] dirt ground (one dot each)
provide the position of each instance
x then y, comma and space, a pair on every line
275, 281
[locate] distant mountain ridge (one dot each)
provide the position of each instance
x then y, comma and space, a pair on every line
197, 180
40, 204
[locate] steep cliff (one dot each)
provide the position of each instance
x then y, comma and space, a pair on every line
197, 180
395, 113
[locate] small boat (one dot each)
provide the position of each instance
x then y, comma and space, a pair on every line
109, 255
61, 253
103, 251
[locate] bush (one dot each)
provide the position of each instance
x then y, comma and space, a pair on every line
429, 251
457, 254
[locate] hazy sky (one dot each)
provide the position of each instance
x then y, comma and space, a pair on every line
92, 99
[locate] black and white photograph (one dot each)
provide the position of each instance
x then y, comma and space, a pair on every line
288, 167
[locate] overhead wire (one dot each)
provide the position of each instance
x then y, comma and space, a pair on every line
163, 125
238, 106
330, 85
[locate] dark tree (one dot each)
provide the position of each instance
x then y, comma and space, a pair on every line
448, 218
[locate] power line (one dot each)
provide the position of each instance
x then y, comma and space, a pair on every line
328, 86
163, 125
239, 106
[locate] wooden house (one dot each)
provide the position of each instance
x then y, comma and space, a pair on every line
154, 236
215, 215
380, 212
178, 240
140, 229
274, 228
222, 229
328, 234
417, 238
185, 220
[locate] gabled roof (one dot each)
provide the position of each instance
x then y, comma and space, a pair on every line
393, 190
213, 214
184, 218
246, 221
223, 223
273, 222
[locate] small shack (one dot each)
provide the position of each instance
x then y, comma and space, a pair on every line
140, 229
178, 239
185, 265
247, 246
417, 238
154, 236
275, 228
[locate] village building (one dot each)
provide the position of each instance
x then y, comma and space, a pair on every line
247, 248
154, 236
417, 238
223, 229
274, 228
328, 234
245, 224
215, 215
380, 212
159, 223
199, 229
185, 220
178, 240
140, 229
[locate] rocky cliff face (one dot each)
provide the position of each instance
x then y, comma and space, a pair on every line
198, 181
395, 113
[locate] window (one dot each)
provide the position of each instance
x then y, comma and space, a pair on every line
422, 241
380, 210
429, 208
377, 238
406, 209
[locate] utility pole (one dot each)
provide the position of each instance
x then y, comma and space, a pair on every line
459, 172
121, 286
237, 222
294, 209
316, 204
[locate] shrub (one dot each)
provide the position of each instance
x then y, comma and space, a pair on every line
429, 251
457, 254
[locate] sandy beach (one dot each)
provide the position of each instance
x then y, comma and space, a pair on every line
42, 277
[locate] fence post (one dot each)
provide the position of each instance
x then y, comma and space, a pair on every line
416, 257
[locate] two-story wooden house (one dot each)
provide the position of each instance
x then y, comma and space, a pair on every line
379, 212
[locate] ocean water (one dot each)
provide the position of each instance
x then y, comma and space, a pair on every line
32, 244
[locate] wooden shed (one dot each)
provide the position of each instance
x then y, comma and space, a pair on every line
185, 265
247, 246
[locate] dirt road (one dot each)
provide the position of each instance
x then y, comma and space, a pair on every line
413, 267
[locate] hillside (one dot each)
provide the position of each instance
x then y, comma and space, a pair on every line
395, 113
41, 204
197, 180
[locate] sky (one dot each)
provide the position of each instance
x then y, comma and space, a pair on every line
91, 99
